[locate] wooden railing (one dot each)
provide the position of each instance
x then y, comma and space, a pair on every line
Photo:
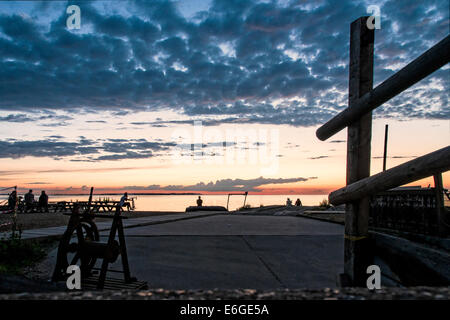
422, 167
358, 118
423, 66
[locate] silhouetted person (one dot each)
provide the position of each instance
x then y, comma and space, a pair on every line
289, 202
43, 201
298, 202
29, 201
12, 200
123, 199
199, 201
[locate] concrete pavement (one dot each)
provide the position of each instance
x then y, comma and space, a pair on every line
49, 232
234, 251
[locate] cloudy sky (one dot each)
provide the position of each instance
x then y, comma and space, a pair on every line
204, 95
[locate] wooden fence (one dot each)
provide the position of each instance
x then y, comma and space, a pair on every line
406, 210
358, 119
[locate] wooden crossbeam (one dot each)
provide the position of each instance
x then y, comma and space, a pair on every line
413, 170
423, 66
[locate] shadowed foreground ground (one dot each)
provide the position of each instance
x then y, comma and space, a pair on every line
234, 257
232, 251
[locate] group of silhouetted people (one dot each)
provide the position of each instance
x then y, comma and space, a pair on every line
30, 203
298, 202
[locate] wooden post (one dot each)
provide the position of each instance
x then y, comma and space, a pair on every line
111, 239
438, 186
385, 146
356, 253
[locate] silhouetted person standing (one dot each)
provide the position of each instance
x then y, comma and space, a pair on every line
199, 201
29, 201
43, 201
298, 202
12, 200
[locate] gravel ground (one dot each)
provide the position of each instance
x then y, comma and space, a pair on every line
414, 293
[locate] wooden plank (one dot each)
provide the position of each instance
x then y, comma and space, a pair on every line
123, 247
421, 67
359, 136
413, 170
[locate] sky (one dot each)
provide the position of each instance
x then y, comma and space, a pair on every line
205, 96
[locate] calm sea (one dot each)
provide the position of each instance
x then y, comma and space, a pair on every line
180, 202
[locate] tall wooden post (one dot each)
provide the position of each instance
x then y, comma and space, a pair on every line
440, 208
356, 252
386, 128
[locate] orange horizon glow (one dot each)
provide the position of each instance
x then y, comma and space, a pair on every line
322, 175
313, 190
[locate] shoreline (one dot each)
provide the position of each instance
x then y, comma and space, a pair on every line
36, 220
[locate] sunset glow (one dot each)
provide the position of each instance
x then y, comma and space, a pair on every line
116, 104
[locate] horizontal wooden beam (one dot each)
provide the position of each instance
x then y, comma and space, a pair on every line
427, 63
419, 168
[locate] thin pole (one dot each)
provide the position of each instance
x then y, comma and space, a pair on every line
16, 205
246, 192
90, 199
385, 146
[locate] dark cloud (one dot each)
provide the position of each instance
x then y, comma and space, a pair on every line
38, 182
318, 157
16, 118
223, 185
233, 60
93, 150
83, 149
96, 121
56, 120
